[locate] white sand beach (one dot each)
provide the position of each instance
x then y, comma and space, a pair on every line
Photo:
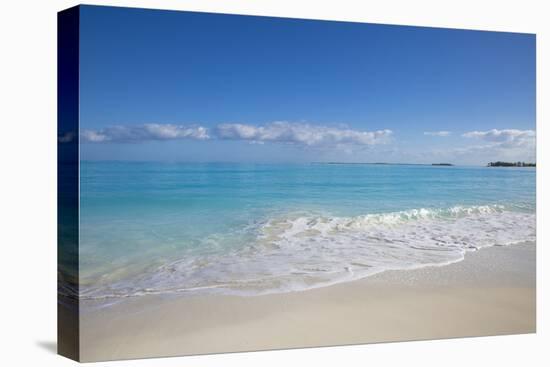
491, 292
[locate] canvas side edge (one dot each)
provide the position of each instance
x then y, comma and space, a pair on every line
68, 325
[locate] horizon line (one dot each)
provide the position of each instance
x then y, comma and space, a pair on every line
435, 164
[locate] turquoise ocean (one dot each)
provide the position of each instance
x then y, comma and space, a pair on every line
250, 229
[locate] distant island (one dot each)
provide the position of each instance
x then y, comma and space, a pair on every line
442, 164
510, 164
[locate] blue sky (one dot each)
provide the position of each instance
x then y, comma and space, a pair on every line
159, 85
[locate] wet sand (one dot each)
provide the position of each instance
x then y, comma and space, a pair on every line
491, 292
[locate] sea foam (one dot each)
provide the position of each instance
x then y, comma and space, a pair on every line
303, 250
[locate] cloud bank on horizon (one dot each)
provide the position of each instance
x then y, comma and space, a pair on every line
505, 144
276, 132
508, 137
493, 144
303, 134
139, 133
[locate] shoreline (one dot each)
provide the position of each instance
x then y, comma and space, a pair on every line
305, 250
490, 292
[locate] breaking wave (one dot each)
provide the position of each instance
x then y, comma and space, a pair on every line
302, 250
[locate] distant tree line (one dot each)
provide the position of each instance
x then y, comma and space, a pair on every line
510, 164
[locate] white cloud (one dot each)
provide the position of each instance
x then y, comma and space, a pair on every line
91, 136
506, 137
302, 134
299, 134
510, 145
505, 145
144, 132
437, 133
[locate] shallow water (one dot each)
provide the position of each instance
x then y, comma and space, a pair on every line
160, 228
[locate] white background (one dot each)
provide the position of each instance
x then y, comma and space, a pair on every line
28, 181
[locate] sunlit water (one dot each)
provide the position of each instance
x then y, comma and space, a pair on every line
247, 229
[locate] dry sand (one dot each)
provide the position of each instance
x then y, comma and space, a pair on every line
491, 292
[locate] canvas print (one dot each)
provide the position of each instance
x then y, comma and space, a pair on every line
240, 183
